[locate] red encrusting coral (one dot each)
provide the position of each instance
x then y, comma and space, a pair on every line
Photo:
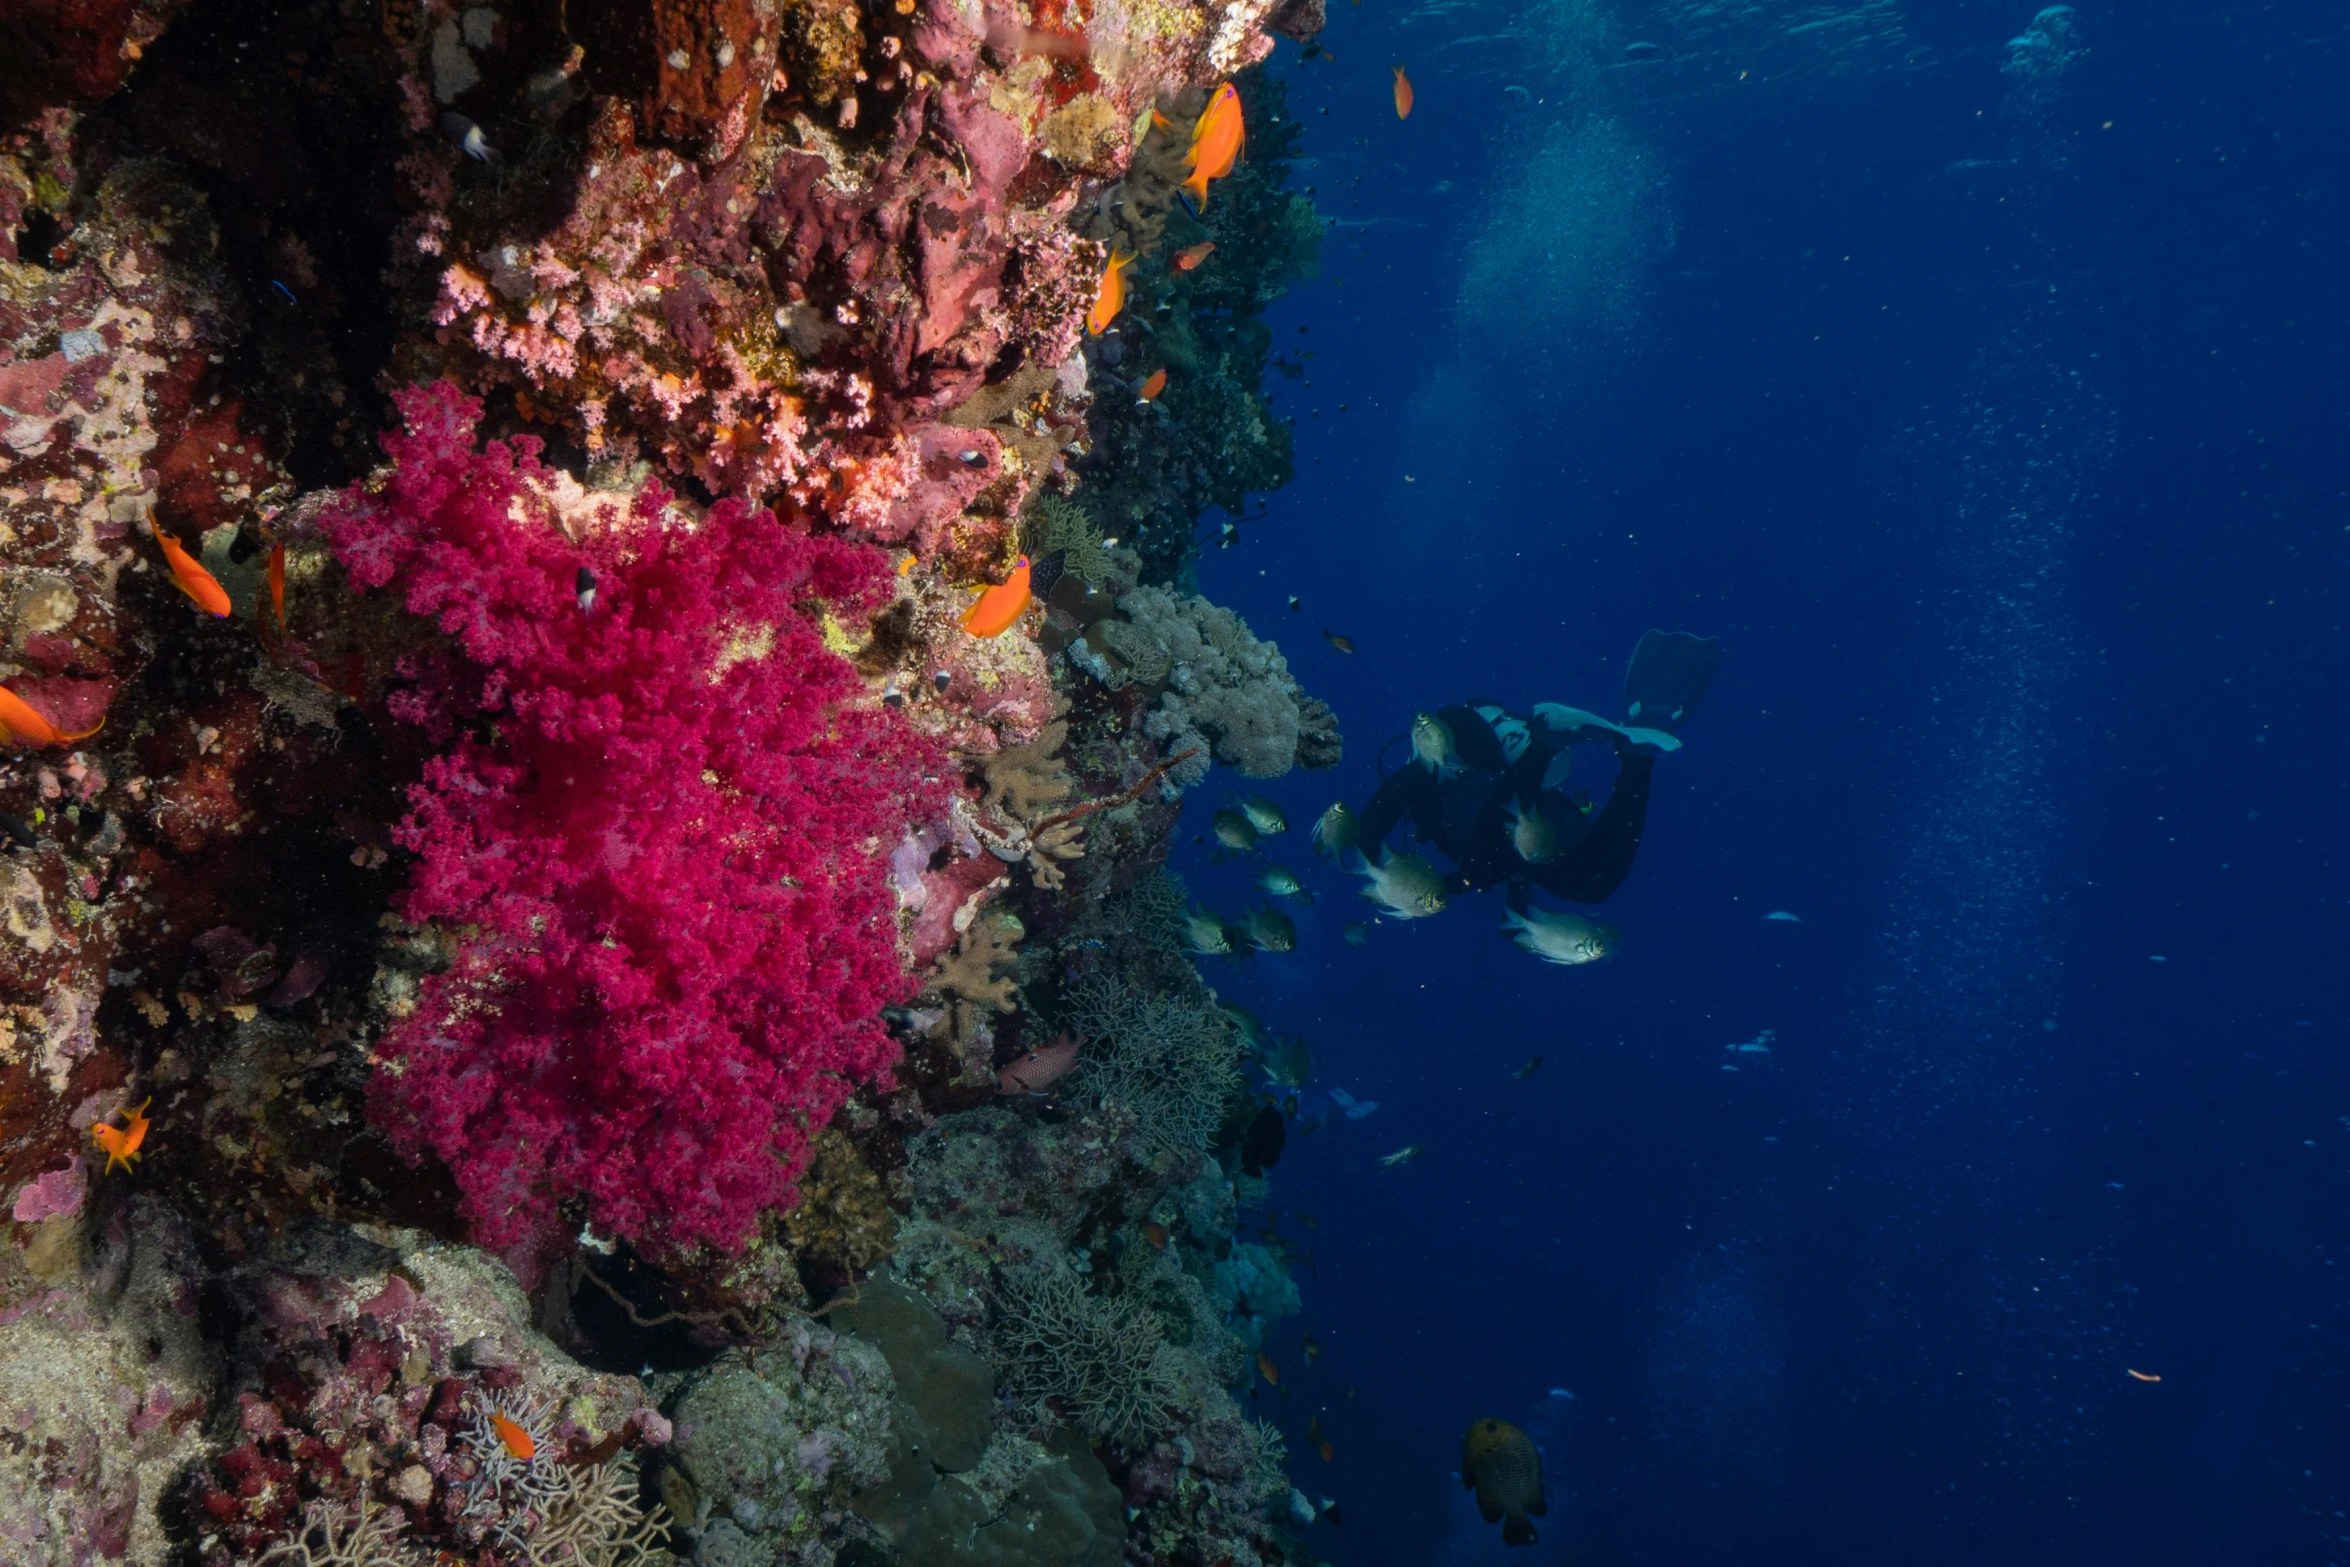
659, 824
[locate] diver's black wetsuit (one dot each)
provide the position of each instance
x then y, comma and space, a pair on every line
1467, 814
1506, 758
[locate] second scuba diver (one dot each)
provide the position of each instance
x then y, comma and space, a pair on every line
1490, 789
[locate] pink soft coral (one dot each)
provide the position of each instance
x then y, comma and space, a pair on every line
660, 828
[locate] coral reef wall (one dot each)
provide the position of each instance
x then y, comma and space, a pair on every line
556, 1004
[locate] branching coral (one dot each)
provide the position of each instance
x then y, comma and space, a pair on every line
1101, 1361
972, 980
1030, 780
592, 1519
658, 823
1173, 1060
336, 1535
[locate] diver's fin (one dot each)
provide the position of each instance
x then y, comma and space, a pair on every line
1669, 675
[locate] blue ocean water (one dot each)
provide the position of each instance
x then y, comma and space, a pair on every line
1978, 381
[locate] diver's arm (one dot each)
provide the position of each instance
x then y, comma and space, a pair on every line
1596, 867
1399, 794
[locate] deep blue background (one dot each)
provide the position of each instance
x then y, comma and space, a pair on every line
1876, 353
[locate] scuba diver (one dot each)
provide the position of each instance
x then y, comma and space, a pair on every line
1490, 788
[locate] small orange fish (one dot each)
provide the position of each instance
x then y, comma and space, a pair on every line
1313, 1347
1110, 297
2143, 1376
1267, 1370
189, 573
1342, 644
23, 724
1156, 1234
517, 1441
1000, 607
277, 581
1161, 122
1216, 141
1403, 95
1191, 256
1327, 1453
121, 1143
1154, 386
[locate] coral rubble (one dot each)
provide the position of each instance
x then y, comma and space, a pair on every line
566, 926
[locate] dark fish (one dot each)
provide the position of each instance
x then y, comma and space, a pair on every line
1287, 1061
1234, 830
1499, 1463
1343, 644
19, 831
1269, 930
1260, 1146
1526, 1071
584, 584
1313, 1345
1293, 603
1046, 570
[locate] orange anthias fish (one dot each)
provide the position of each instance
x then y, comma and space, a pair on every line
1192, 255
512, 1435
1154, 386
1216, 141
193, 579
277, 581
1001, 606
1403, 95
1110, 298
1267, 1370
121, 1143
2143, 1376
1156, 1234
23, 724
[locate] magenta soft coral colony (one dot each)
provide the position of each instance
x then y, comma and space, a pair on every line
583, 905
658, 818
